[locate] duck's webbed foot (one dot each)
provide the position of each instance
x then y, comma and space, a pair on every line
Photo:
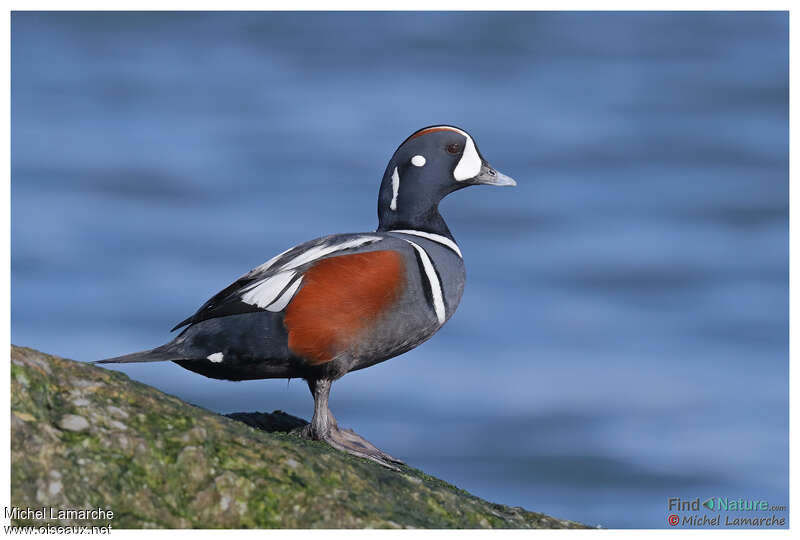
323, 427
349, 441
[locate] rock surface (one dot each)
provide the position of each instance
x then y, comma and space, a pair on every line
83, 437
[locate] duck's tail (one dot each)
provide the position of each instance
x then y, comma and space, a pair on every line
152, 355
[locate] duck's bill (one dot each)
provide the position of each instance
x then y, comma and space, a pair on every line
491, 177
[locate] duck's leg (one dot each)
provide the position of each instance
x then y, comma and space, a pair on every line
323, 427
323, 421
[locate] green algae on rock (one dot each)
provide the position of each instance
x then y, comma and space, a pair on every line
83, 437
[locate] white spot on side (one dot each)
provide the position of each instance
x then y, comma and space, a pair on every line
435, 237
418, 161
433, 282
283, 301
325, 249
470, 163
264, 292
216, 357
395, 189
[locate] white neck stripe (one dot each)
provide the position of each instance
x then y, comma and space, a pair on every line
395, 189
433, 283
435, 237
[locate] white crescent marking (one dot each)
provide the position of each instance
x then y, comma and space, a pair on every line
470, 163
435, 237
433, 282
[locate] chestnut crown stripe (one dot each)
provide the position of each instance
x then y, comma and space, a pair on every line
436, 129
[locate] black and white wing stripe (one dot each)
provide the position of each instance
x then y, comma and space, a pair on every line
271, 286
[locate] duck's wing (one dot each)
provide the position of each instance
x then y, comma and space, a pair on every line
272, 285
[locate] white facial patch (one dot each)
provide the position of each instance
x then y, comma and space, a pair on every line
470, 164
418, 161
216, 357
395, 189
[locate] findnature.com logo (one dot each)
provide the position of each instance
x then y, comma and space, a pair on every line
722, 506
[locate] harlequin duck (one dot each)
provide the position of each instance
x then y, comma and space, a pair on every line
345, 301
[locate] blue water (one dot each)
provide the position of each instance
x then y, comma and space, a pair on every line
623, 336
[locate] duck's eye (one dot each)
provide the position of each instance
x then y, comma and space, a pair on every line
454, 148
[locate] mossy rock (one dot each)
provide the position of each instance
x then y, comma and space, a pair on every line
85, 437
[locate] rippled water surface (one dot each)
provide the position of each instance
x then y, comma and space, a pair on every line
623, 336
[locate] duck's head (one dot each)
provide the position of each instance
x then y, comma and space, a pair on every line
431, 163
